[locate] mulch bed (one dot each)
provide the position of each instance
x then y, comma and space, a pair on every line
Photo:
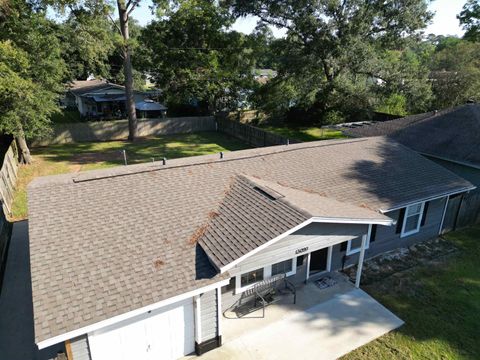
398, 260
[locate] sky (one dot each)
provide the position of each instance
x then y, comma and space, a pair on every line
444, 22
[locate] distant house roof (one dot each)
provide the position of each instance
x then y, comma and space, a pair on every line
80, 87
149, 105
109, 241
451, 134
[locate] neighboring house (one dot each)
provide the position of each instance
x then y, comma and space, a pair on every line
263, 76
140, 261
99, 99
450, 138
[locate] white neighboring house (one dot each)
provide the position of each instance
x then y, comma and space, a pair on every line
99, 99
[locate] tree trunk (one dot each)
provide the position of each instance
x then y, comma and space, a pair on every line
25, 156
127, 65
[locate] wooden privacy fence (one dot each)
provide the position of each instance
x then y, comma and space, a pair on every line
8, 177
118, 129
250, 134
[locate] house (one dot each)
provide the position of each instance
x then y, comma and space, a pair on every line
450, 138
140, 261
99, 99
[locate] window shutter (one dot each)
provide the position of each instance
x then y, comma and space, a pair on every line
425, 211
401, 216
343, 246
373, 233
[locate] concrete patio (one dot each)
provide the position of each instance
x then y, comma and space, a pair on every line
324, 324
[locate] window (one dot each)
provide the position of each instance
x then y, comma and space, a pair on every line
354, 245
283, 267
251, 277
412, 219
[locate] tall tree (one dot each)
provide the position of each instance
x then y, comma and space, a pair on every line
332, 53
455, 73
125, 8
194, 59
470, 20
33, 66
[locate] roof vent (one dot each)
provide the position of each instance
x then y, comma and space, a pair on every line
270, 193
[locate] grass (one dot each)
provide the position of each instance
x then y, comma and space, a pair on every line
305, 133
58, 159
440, 304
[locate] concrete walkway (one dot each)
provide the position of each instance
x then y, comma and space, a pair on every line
16, 309
325, 331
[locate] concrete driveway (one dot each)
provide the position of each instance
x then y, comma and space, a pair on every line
16, 309
325, 331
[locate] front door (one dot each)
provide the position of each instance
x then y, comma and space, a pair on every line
318, 260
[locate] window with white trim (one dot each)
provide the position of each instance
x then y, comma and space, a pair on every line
251, 277
282, 267
354, 246
412, 219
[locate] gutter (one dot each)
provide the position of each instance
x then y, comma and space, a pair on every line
383, 211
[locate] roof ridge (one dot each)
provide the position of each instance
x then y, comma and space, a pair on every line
274, 150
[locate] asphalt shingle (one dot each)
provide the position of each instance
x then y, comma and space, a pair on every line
106, 242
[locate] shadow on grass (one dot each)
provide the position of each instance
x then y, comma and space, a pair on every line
142, 150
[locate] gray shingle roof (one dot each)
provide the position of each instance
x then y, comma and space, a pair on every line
450, 134
255, 211
109, 241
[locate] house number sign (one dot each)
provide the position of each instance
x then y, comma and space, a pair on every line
301, 251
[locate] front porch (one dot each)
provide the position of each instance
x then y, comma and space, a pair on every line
324, 324
308, 295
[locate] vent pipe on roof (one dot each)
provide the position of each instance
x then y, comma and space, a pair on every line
221, 154
288, 141
164, 161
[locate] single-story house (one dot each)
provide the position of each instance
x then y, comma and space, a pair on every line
99, 99
450, 138
141, 261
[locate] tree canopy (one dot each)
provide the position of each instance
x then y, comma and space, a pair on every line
470, 20
194, 59
338, 54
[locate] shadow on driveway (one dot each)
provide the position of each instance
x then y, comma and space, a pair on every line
16, 308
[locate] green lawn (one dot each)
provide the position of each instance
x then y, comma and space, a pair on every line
58, 159
440, 304
305, 133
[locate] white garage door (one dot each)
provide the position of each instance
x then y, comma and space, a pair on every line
166, 333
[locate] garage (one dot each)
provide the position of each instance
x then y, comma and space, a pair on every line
165, 333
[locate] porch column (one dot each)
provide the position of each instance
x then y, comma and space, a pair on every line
360, 260
329, 258
219, 312
307, 273
198, 322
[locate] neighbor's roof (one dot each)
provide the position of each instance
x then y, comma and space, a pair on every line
452, 134
255, 211
109, 241
80, 87
149, 105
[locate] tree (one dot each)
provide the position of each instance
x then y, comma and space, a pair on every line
25, 106
455, 73
32, 71
193, 59
125, 8
335, 49
470, 20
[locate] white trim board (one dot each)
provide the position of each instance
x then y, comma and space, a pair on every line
115, 319
385, 222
